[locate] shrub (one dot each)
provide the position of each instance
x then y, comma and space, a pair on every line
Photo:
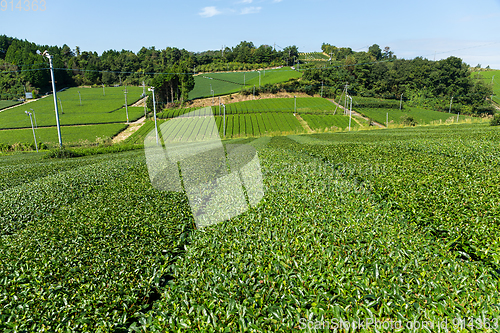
495, 121
408, 120
62, 153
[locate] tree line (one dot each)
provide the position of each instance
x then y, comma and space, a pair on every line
20, 64
420, 82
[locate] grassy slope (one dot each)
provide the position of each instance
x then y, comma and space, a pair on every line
70, 134
95, 108
6, 104
304, 105
231, 82
421, 116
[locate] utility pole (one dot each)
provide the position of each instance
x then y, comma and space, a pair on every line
321, 89
224, 124
103, 92
34, 116
350, 114
254, 91
451, 102
47, 55
145, 98
387, 119
62, 110
126, 104
33, 128
400, 102
154, 113
491, 97
80, 96
295, 104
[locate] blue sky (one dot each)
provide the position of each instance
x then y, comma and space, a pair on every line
432, 29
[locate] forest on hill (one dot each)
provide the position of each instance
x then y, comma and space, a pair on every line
439, 85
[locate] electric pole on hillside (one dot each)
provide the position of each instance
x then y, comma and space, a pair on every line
350, 114
154, 113
126, 104
145, 98
47, 55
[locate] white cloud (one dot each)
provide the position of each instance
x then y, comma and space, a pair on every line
250, 10
245, 1
277, 0
209, 12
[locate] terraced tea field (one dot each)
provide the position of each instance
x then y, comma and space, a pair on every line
96, 108
421, 116
71, 134
396, 224
7, 104
302, 105
224, 83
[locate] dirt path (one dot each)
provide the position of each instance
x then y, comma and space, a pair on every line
303, 123
354, 113
139, 102
129, 130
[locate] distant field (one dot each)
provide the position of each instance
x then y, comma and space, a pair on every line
232, 82
7, 104
95, 108
327, 122
492, 77
239, 125
70, 134
313, 56
421, 116
259, 124
304, 105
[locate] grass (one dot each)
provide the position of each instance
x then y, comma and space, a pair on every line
421, 116
95, 108
71, 135
7, 104
232, 82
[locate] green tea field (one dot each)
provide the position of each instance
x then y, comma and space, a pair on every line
231, 82
95, 108
394, 225
301, 105
421, 116
71, 134
7, 104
